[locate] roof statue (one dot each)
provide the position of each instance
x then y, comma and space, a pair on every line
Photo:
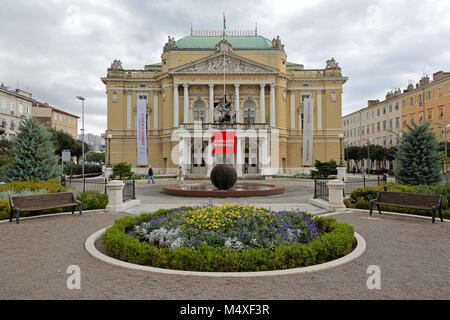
332, 64
116, 65
276, 43
170, 44
224, 46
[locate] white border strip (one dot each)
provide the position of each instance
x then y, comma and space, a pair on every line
90, 248
392, 213
50, 215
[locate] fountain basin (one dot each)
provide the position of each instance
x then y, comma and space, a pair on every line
239, 190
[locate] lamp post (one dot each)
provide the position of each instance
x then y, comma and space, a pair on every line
368, 154
341, 168
82, 139
341, 136
109, 136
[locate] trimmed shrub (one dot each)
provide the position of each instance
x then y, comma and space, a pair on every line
77, 168
91, 200
336, 241
360, 197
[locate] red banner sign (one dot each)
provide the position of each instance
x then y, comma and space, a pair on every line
224, 142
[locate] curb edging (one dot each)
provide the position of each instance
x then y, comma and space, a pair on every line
92, 250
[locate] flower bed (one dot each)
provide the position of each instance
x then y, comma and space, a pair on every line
227, 238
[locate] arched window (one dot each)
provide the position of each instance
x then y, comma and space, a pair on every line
249, 112
199, 111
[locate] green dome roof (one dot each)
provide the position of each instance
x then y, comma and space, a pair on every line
205, 42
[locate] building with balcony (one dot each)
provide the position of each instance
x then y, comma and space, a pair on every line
55, 118
213, 89
15, 105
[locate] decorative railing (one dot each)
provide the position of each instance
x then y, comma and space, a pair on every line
228, 33
225, 126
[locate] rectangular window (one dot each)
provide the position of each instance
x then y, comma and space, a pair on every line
378, 112
420, 98
378, 126
397, 122
390, 124
305, 96
384, 125
411, 101
373, 127
56, 117
430, 114
441, 112
403, 103
60, 117
384, 110
302, 119
430, 95
396, 106
390, 108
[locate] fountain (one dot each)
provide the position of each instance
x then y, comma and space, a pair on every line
223, 185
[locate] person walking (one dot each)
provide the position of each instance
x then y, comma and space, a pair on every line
181, 174
150, 174
363, 171
246, 168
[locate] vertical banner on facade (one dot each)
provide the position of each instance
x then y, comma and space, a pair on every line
141, 132
224, 142
308, 127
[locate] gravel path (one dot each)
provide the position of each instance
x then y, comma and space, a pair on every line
413, 255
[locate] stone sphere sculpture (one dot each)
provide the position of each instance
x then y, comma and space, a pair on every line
223, 176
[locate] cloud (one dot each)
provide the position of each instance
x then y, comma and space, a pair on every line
59, 49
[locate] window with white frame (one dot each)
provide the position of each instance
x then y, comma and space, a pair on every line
199, 111
249, 112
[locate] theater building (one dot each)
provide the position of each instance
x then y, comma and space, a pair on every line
278, 117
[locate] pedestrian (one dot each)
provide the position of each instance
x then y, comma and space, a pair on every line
363, 171
181, 174
150, 174
246, 168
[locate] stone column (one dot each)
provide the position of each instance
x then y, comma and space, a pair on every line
262, 103
292, 109
236, 92
175, 105
341, 172
319, 109
186, 103
114, 190
272, 105
211, 103
129, 113
336, 195
239, 161
155, 109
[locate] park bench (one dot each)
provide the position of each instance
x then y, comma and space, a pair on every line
42, 202
408, 200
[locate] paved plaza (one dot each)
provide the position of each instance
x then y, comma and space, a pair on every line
412, 254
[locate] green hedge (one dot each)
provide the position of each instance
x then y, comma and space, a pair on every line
337, 241
360, 197
78, 168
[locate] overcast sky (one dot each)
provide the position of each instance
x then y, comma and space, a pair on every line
59, 49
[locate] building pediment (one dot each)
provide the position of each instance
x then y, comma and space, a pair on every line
214, 64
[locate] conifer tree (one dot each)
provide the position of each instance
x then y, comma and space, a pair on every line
33, 154
418, 156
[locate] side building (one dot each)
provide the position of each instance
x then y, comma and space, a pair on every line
14, 107
55, 118
383, 121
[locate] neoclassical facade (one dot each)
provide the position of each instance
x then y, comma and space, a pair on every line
278, 116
